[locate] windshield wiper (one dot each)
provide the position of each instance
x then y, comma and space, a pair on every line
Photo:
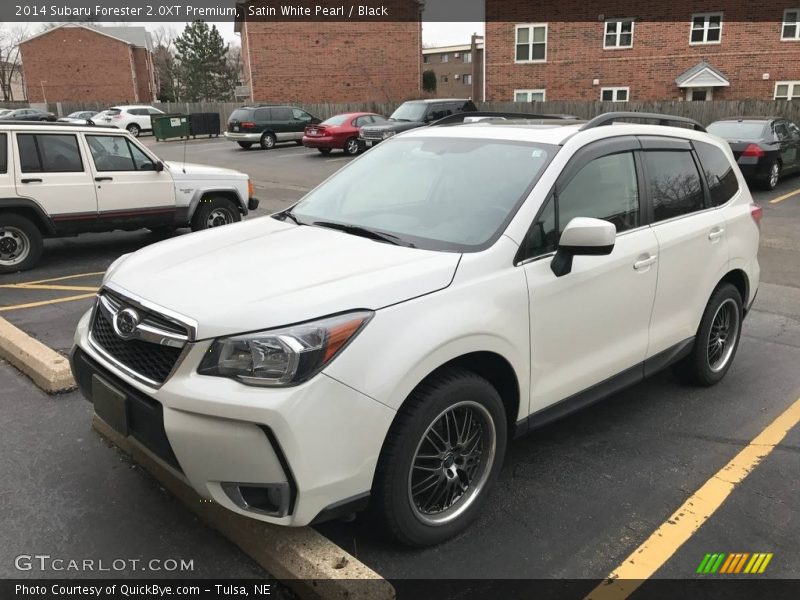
364, 232
287, 214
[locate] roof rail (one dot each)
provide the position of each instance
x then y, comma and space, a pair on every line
461, 116
611, 117
22, 123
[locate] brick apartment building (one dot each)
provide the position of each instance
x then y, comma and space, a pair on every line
620, 50
332, 61
458, 69
74, 62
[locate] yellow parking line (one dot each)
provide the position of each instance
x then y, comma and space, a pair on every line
53, 279
784, 197
45, 302
63, 288
684, 522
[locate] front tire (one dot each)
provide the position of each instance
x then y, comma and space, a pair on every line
21, 243
245, 145
268, 141
215, 212
134, 130
716, 341
441, 458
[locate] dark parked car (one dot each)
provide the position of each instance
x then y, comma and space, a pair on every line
340, 132
766, 148
268, 125
413, 114
29, 114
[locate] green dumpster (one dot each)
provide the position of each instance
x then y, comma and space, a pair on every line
171, 126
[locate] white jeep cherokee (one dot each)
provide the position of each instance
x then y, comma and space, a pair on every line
384, 339
59, 179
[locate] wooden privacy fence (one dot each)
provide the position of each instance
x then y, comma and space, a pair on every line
704, 112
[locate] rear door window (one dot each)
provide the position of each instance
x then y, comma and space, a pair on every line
262, 115
281, 114
720, 176
49, 153
673, 183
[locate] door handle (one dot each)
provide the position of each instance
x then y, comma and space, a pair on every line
104, 179
716, 233
645, 262
31, 180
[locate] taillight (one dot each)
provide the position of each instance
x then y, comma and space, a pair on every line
755, 212
248, 125
251, 190
753, 150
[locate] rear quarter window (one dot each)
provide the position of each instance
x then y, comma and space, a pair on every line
241, 114
720, 175
3, 153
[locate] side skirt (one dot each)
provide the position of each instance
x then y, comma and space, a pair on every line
606, 388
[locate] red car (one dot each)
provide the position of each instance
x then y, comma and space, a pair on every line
339, 132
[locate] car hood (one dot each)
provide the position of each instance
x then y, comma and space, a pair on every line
396, 126
184, 171
264, 273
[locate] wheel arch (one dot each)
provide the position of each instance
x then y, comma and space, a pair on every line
230, 193
738, 278
31, 210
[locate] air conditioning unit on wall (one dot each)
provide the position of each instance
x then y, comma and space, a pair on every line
457, 54
458, 76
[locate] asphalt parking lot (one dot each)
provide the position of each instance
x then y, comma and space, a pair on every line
574, 499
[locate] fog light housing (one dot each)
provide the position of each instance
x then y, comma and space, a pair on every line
265, 498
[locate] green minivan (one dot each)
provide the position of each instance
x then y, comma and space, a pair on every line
268, 125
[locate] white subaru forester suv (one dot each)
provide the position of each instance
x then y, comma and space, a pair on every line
383, 340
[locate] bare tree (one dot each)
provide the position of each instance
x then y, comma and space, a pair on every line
10, 64
165, 63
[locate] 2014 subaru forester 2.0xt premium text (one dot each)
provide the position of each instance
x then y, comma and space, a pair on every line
382, 341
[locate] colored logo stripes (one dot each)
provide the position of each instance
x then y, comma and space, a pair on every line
738, 562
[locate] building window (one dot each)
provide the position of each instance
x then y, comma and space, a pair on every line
614, 94
528, 95
706, 28
467, 79
467, 57
444, 78
791, 24
426, 58
531, 43
445, 58
619, 34
787, 90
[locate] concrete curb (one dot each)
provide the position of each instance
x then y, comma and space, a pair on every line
47, 368
303, 559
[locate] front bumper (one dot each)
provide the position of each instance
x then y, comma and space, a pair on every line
318, 441
234, 136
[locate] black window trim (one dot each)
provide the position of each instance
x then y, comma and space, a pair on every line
36, 136
4, 164
581, 158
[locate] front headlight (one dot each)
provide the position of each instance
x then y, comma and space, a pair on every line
285, 356
388, 134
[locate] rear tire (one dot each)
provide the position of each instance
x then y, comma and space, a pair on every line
351, 146
773, 176
440, 459
268, 141
215, 212
299, 142
716, 341
134, 130
245, 145
21, 243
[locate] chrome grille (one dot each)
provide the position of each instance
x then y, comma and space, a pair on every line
371, 135
149, 351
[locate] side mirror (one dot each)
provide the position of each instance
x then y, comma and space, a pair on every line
159, 167
582, 237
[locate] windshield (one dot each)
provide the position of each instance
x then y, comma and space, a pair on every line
410, 111
446, 194
336, 121
738, 129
